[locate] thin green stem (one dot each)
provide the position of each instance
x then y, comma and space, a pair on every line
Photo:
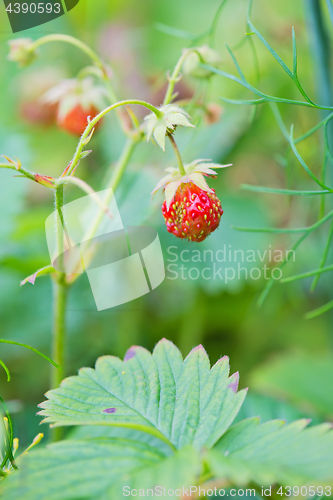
6, 370
87, 133
324, 257
175, 75
13, 342
271, 281
314, 129
315, 272
22, 172
58, 345
308, 229
319, 311
112, 184
214, 25
292, 192
59, 302
122, 164
73, 41
177, 153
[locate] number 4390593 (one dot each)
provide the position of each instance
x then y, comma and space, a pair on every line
305, 491
33, 8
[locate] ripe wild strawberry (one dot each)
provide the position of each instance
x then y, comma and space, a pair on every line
194, 214
77, 100
191, 208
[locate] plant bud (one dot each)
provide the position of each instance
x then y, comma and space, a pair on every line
206, 55
20, 51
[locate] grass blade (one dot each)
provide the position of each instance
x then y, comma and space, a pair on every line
319, 311
3, 341
264, 189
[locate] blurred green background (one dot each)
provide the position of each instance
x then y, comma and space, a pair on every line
283, 358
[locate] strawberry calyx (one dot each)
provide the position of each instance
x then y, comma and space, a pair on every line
196, 172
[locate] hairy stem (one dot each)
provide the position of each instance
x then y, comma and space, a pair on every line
86, 134
175, 75
177, 153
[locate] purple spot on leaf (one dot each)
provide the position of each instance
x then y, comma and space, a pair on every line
109, 410
130, 353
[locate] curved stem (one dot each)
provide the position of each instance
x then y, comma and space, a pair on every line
175, 75
177, 153
85, 136
73, 41
90, 53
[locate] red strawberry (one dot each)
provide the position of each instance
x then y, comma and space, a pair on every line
194, 213
191, 208
76, 120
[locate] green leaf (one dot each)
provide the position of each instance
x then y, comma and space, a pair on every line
99, 468
169, 30
270, 49
294, 52
4, 341
274, 453
292, 192
304, 379
180, 402
320, 310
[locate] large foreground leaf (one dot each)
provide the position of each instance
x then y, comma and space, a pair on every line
181, 402
99, 468
274, 452
158, 421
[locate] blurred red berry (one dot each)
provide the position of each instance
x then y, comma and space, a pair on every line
76, 119
76, 100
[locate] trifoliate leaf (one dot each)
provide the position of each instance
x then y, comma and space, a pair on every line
181, 402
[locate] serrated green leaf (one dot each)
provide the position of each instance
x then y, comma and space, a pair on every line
99, 468
274, 453
181, 402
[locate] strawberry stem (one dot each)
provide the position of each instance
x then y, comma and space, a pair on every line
177, 153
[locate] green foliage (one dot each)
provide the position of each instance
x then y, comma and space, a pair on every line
274, 101
303, 379
274, 453
156, 420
